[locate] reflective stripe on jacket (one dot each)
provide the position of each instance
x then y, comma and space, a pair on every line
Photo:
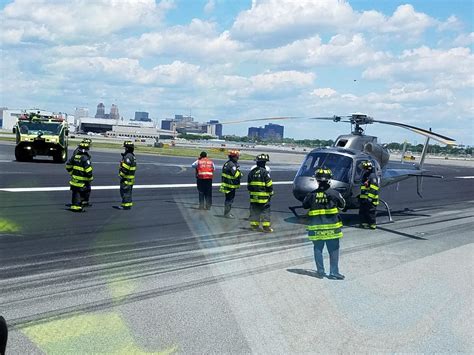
204, 169
128, 166
80, 169
324, 221
230, 177
369, 190
260, 185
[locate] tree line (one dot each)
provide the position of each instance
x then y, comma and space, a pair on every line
317, 143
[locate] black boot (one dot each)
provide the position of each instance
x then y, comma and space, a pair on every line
227, 208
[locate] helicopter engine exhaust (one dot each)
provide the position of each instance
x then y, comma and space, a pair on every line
378, 152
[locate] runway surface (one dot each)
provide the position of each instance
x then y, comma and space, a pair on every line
166, 277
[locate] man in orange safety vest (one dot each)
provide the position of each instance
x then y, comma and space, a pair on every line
204, 174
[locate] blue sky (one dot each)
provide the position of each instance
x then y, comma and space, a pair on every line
407, 61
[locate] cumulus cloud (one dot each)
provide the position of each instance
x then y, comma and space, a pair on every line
199, 39
324, 92
342, 49
464, 40
57, 21
282, 21
210, 6
125, 70
427, 62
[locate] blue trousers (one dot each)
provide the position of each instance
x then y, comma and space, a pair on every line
333, 249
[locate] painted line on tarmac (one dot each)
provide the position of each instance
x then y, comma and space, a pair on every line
464, 177
116, 187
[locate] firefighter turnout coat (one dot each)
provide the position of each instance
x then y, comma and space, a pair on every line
230, 177
260, 185
128, 166
80, 169
324, 220
369, 190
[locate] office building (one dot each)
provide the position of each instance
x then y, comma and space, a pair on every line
100, 111
114, 112
142, 117
271, 131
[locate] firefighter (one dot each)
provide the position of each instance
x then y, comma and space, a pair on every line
80, 169
204, 174
230, 181
128, 166
260, 187
325, 224
87, 189
369, 197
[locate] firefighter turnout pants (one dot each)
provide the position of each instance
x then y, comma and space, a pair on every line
259, 212
80, 195
229, 200
126, 194
367, 214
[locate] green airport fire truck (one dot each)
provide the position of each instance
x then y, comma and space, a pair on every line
38, 134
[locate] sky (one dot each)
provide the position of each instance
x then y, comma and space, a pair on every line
404, 61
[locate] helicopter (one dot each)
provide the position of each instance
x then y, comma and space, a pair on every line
346, 156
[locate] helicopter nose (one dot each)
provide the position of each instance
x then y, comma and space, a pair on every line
302, 185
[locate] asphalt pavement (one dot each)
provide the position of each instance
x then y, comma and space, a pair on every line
166, 277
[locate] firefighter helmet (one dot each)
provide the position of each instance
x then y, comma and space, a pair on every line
128, 145
87, 140
84, 145
323, 174
262, 157
367, 165
234, 153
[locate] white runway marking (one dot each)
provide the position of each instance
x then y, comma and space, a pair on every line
116, 187
464, 177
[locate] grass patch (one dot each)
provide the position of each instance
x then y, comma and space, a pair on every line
8, 139
213, 153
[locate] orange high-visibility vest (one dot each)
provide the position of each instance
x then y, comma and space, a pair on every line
204, 169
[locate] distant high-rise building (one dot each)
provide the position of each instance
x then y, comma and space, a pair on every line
218, 128
273, 132
255, 132
142, 117
114, 112
100, 111
269, 132
81, 112
168, 125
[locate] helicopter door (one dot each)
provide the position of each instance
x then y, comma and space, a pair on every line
358, 171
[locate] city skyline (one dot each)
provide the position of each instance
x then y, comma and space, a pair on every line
409, 62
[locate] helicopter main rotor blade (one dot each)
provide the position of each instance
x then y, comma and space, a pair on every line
423, 132
261, 119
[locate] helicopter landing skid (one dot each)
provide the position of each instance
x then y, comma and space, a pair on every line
293, 209
390, 220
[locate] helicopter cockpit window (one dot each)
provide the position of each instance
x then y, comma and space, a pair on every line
340, 165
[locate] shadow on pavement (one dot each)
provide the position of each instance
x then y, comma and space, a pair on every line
304, 272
